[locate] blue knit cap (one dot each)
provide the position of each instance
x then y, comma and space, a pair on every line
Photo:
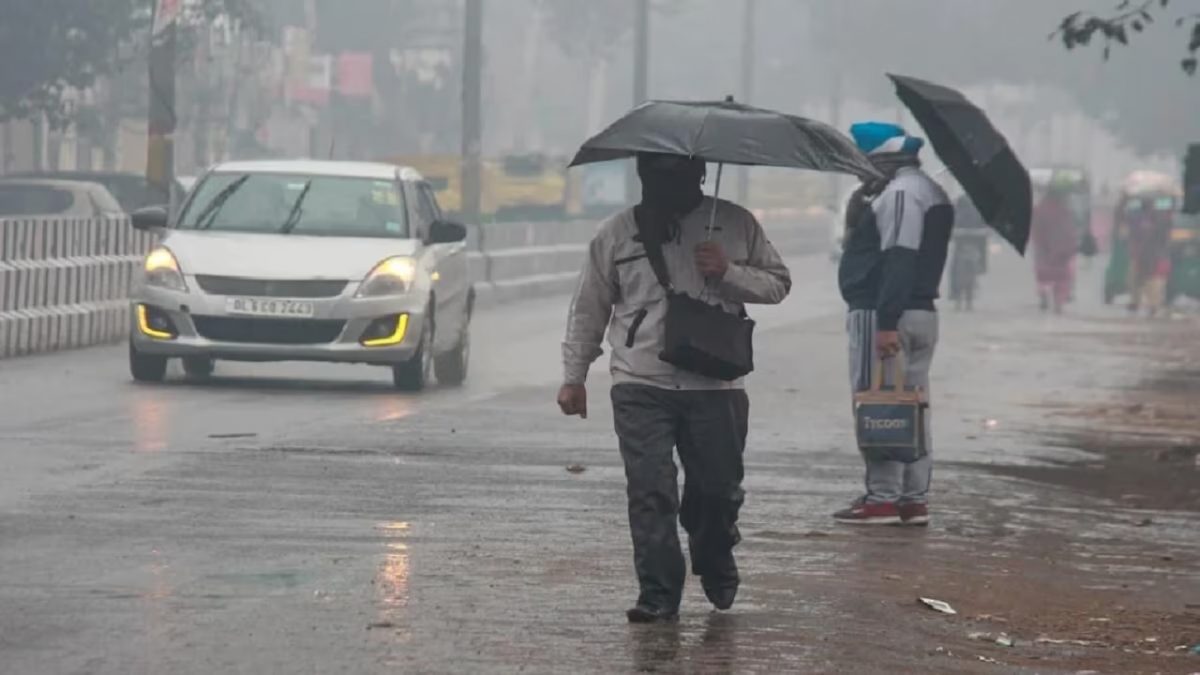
880, 137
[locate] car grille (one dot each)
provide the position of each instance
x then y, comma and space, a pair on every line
271, 288
269, 331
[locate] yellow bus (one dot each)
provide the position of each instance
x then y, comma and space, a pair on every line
515, 187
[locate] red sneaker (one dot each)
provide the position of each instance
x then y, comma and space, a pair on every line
913, 513
863, 512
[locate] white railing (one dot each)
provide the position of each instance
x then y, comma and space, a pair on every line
65, 283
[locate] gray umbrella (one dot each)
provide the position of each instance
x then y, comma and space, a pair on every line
725, 132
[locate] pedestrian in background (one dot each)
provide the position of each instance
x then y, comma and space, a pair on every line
968, 261
659, 408
1056, 241
897, 237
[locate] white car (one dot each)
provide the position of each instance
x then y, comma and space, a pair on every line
343, 262
61, 198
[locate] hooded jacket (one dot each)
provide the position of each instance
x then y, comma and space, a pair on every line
895, 247
618, 293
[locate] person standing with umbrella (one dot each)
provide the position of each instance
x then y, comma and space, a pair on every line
895, 256
897, 237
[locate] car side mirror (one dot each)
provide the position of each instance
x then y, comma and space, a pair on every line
447, 232
149, 218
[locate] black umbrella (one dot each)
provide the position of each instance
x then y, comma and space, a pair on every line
976, 153
725, 132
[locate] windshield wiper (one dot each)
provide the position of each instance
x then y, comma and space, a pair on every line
293, 218
209, 214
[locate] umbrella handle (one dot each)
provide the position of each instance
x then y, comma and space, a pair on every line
712, 216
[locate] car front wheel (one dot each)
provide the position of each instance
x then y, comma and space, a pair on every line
146, 367
451, 367
416, 373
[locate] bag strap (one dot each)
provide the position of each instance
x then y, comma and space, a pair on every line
652, 242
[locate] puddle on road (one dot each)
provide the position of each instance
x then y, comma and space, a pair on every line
314, 451
391, 409
392, 578
151, 420
262, 580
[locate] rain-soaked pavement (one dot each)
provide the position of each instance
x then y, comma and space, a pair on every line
308, 519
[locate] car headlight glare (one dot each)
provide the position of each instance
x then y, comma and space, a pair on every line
162, 270
393, 276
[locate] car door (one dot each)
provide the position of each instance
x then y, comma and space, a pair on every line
451, 280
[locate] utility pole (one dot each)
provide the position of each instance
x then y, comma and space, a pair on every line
201, 142
641, 77
472, 114
823, 20
749, 8
835, 118
160, 146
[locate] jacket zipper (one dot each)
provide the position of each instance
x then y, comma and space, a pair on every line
633, 328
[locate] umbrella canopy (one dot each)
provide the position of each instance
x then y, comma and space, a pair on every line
726, 132
976, 153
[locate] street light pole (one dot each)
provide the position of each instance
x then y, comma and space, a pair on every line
749, 8
472, 113
641, 79
160, 146
641, 50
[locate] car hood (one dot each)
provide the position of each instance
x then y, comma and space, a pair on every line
278, 256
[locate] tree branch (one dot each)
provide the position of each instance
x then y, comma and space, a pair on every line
1078, 29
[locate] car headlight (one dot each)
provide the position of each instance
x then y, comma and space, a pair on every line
162, 270
393, 276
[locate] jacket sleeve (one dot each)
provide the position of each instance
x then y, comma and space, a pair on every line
901, 219
591, 309
762, 278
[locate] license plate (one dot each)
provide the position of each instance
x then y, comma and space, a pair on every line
269, 307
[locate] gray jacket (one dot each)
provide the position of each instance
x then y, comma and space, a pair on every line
618, 291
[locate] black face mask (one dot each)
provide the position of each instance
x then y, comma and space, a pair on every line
671, 186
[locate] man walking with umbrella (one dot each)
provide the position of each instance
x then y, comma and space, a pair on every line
711, 250
897, 235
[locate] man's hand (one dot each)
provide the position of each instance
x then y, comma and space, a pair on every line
711, 260
887, 343
572, 400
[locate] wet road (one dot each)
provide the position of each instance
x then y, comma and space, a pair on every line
305, 518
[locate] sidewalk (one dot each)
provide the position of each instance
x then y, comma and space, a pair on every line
1065, 497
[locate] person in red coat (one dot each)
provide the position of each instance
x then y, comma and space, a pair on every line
1055, 245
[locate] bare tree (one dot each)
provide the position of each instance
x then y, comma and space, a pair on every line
65, 44
1128, 18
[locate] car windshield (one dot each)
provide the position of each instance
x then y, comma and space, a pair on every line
331, 206
1136, 204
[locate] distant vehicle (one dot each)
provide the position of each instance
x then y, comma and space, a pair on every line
347, 262
1185, 258
515, 187
132, 190
1145, 195
62, 198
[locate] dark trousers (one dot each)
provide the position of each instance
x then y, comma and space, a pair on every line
708, 428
